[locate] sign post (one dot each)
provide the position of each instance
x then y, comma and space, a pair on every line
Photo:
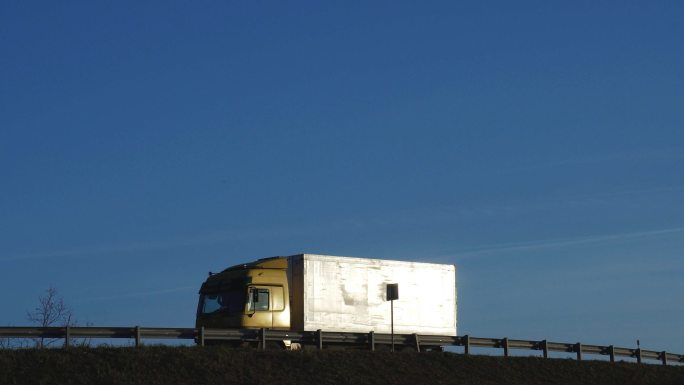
392, 294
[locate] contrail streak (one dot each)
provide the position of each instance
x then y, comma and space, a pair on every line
542, 244
140, 294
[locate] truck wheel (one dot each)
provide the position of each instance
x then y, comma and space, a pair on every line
275, 345
404, 348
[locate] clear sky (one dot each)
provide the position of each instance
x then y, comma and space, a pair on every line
538, 145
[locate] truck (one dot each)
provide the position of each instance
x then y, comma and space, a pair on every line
310, 292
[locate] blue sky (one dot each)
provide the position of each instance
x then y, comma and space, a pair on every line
537, 145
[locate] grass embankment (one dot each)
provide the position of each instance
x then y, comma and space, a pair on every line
191, 365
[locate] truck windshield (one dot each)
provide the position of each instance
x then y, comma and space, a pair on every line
228, 301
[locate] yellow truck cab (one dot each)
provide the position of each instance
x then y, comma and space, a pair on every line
251, 295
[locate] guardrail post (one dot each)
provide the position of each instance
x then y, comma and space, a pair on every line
611, 351
638, 355
319, 339
67, 336
663, 357
371, 339
578, 350
201, 336
262, 338
504, 343
417, 341
545, 347
466, 344
137, 336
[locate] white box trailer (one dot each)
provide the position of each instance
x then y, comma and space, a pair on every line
349, 295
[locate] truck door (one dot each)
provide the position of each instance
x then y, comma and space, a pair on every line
259, 308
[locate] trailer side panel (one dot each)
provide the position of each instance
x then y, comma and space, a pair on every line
348, 295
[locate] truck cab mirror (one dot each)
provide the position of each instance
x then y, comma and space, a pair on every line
253, 298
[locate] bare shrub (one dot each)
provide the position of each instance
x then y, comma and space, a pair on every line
51, 311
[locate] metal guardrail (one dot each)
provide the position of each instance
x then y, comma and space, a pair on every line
320, 338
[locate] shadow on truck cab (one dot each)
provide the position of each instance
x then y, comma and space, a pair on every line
251, 295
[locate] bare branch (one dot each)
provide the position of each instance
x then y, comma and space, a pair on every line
51, 311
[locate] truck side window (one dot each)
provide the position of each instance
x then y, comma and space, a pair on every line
260, 301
